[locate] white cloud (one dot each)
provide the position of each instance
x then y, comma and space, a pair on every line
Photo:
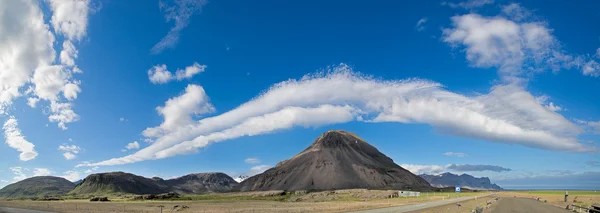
68, 54
424, 169
180, 13
590, 126
26, 44
62, 113
69, 156
160, 75
14, 139
70, 148
516, 12
90, 170
41, 172
468, 4
515, 48
508, 114
19, 173
421, 24
258, 169
70, 151
71, 175
32, 102
122, 119
178, 111
597, 53
438, 169
132, 145
591, 68
70, 17
189, 71
456, 154
252, 160
27, 56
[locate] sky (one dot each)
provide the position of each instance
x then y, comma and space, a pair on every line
494, 88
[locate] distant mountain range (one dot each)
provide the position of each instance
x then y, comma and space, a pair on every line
335, 160
464, 180
118, 182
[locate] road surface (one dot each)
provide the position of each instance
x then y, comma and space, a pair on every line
418, 206
525, 205
13, 210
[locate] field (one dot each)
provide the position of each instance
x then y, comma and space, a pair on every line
556, 197
328, 201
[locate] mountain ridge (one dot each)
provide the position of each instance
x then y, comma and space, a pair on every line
464, 180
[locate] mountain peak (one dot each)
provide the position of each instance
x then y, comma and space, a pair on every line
336, 160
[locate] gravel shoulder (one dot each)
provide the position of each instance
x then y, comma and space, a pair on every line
421, 206
525, 205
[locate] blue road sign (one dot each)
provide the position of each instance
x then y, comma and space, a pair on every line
457, 188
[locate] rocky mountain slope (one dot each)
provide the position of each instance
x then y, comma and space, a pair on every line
464, 180
37, 187
202, 183
336, 160
119, 182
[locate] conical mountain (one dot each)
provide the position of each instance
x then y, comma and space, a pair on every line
336, 160
37, 187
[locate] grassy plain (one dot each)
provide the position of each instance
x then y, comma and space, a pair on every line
328, 201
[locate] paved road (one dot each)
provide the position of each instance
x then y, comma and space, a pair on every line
418, 206
525, 205
13, 210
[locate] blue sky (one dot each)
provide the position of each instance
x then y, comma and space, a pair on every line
503, 89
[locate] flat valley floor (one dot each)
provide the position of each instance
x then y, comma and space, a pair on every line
507, 202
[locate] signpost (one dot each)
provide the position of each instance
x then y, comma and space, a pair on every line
457, 189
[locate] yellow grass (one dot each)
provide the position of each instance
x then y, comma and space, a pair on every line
346, 200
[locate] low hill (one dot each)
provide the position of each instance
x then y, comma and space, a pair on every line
202, 183
336, 160
37, 187
464, 180
119, 182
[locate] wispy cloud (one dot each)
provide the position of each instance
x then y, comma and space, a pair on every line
342, 96
258, 169
70, 151
565, 180
424, 169
593, 163
456, 154
179, 11
160, 75
252, 160
476, 168
133, 145
421, 24
516, 47
469, 4
14, 139
438, 169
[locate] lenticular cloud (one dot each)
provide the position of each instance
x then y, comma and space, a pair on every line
508, 114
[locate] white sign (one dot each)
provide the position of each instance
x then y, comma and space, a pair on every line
457, 188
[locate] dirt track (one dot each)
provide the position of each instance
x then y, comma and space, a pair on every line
525, 205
